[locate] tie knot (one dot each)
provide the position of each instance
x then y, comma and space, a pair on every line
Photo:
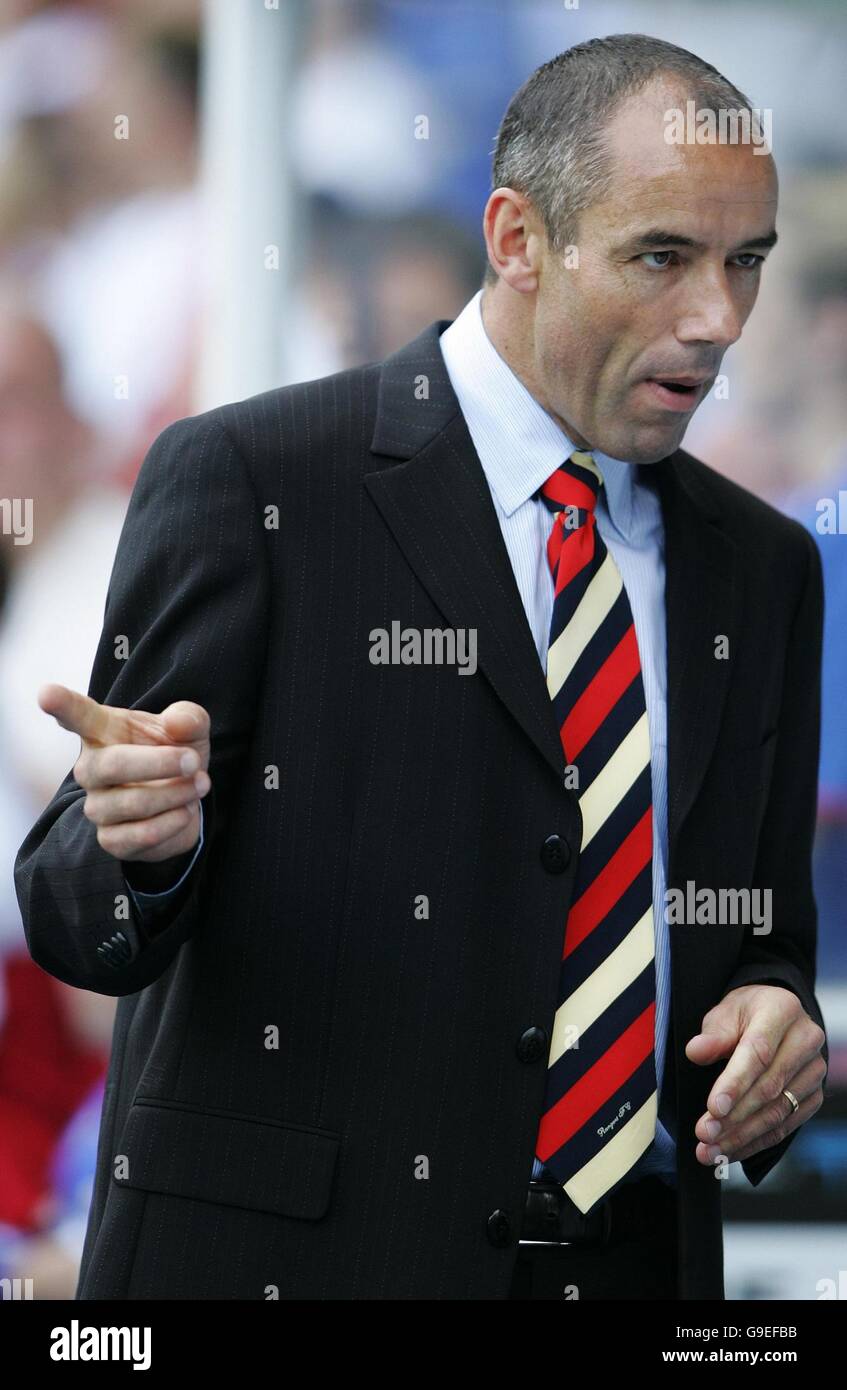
575, 483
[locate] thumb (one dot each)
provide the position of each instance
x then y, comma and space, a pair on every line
185, 722
719, 1037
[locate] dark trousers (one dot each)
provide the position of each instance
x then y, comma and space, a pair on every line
639, 1262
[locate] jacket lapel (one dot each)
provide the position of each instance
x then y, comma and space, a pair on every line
702, 603
436, 501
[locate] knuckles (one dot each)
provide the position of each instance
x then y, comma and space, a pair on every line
770, 1088
775, 1117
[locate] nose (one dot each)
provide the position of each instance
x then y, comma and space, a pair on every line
712, 315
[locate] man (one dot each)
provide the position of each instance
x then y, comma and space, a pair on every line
482, 666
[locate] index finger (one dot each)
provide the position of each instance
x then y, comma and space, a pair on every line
753, 1055
78, 713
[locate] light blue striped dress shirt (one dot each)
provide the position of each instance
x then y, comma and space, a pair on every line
519, 446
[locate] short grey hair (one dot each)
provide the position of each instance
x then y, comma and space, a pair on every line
551, 141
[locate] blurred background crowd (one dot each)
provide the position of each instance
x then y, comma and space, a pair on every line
113, 245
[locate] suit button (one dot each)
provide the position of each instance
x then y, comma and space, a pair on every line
499, 1228
531, 1045
555, 854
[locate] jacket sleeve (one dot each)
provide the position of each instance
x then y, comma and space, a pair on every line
786, 956
186, 618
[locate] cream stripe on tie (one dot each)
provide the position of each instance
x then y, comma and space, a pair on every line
609, 788
587, 1003
614, 1160
568, 647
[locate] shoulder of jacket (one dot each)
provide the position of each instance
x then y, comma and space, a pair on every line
746, 512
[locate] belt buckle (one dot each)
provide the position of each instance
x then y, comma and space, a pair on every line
594, 1228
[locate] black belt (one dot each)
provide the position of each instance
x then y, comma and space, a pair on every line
630, 1212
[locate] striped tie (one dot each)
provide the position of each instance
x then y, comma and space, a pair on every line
600, 1102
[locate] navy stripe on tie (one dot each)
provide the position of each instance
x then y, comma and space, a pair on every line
574, 470
566, 602
611, 931
613, 831
597, 1039
583, 1145
597, 650
605, 741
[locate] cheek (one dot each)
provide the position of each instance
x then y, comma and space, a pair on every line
561, 352
592, 371
612, 372
745, 299
580, 376
585, 350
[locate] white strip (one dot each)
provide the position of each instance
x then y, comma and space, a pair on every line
615, 1158
592, 609
614, 780
596, 994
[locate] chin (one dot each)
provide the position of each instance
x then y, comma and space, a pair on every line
646, 448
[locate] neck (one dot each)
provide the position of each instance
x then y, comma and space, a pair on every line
507, 319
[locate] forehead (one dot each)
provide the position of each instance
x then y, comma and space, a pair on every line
718, 182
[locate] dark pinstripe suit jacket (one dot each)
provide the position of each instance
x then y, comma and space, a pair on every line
290, 1036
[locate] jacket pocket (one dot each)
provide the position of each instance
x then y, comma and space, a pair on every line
232, 1160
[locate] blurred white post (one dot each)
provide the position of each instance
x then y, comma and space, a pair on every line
250, 52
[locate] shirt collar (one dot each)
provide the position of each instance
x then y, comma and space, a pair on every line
518, 443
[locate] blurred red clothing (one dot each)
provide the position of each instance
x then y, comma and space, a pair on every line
45, 1073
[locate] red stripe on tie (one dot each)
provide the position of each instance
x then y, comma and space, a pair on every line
611, 883
575, 550
601, 694
602, 1080
567, 491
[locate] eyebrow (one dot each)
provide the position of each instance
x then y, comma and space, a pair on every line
659, 237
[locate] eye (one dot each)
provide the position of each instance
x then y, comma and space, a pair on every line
647, 256
753, 260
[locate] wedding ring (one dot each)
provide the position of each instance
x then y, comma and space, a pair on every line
795, 1104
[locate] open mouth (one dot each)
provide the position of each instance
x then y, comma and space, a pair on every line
675, 393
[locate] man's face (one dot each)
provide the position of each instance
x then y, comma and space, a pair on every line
668, 273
